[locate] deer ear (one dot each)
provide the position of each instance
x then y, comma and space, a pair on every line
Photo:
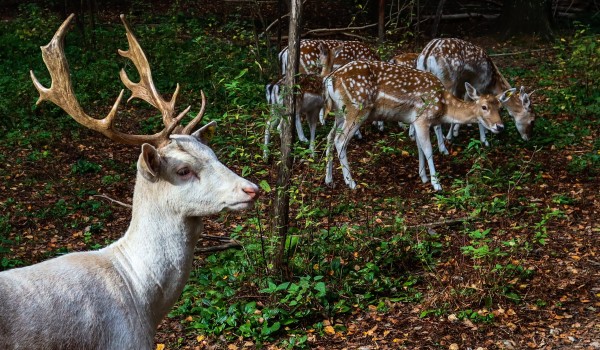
206, 133
149, 162
471, 92
503, 97
323, 52
336, 50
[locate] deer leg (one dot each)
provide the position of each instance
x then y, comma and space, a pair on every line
329, 156
453, 132
440, 139
341, 144
312, 124
482, 137
411, 132
426, 151
299, 130
268, 137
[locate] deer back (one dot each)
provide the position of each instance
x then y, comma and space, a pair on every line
392, 91
309, 54
408, 59
455, 61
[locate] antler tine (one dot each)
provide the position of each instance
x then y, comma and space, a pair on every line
145, 88
191, 125
61, 93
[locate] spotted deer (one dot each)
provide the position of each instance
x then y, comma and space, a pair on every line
310, 50
310, 101
408, 59
455, 61
363, 90
115, 297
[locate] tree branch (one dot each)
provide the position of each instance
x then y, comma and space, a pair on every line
114, 200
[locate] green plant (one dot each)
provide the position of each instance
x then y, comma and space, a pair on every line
579, 59
83, 166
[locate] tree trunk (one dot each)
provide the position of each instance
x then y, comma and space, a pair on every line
381, 21
527, 17
438, 17
282, 200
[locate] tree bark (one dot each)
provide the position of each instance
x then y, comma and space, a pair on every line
381, 21
527, 17
282, 199
438, 17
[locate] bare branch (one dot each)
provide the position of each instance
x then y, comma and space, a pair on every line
114, 200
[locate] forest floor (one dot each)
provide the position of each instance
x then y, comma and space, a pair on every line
568, 266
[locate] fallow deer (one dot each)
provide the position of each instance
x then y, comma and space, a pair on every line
408, 59
114, 298
455, 61
310, 50
362, 90
310, 101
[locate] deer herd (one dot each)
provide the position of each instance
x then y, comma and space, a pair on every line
451, 82
115, 297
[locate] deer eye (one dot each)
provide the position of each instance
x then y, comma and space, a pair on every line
183, 172
484, 107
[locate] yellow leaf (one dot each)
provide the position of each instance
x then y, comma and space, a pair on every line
160, 346
329, 330
200, 338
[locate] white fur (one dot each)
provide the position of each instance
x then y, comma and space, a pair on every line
114, 298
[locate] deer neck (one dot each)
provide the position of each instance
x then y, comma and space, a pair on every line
156, 253
459, 111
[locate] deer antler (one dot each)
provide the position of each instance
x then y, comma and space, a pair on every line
61, 92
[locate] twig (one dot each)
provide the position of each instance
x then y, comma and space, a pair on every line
220, 247
442, 223
279, 19
217, 238
334, 30
113, 200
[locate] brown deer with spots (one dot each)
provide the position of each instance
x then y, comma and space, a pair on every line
345, 51
310, 101
363, 90
408, 59
455, 62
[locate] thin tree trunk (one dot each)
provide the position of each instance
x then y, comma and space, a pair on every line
438, 17
381, 21
282, 200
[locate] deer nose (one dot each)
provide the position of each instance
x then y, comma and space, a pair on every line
252, 191
500, 127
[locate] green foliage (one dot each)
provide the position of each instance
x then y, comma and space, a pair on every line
344, 252
580, 61
83, 167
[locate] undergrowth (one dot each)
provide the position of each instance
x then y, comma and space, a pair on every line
344, 253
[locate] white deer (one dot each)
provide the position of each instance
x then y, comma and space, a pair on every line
362, 90
455, 61
310, 102
114, 298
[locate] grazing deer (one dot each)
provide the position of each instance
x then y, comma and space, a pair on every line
455, 61
310, 103
310, 49
114, 298
362, 90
